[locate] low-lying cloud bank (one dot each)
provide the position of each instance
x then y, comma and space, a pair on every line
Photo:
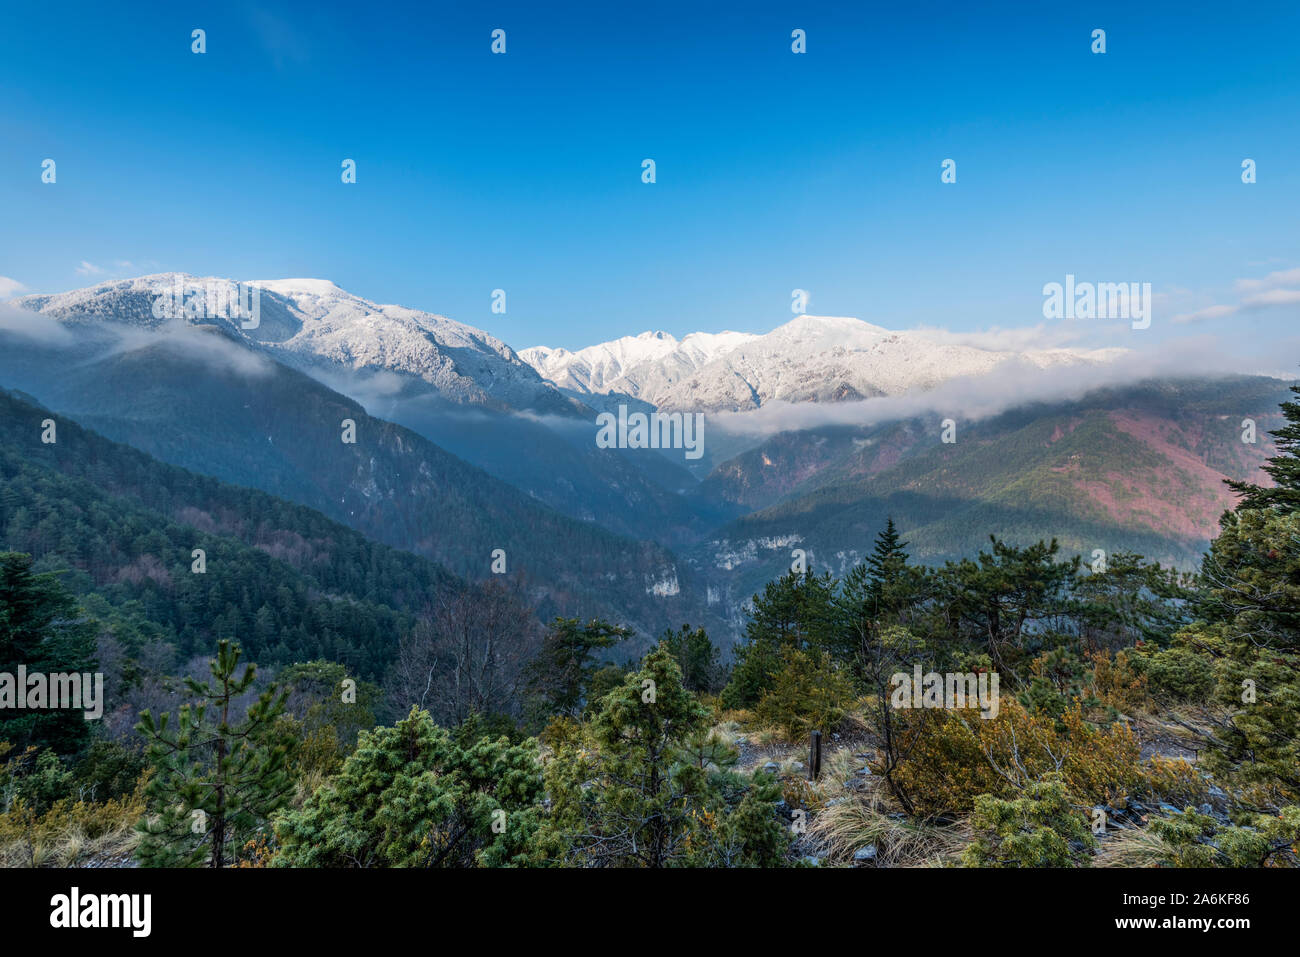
34, 327
1012, 384
102, 340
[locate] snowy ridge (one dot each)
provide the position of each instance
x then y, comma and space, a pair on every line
642, 365
809, 359
314, 324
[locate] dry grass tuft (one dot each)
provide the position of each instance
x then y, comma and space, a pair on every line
70, 834
862, 818
1132, 847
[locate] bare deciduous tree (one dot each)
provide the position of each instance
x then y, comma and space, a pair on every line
466, 654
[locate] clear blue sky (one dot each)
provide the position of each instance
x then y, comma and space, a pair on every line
775, 170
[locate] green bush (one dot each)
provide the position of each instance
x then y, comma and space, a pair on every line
1179, 673
808, 693
1038, 829
412, 796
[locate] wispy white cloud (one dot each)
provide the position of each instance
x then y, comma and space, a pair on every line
201, 342
1209, 312
10, 287
94, 343
1255, 295
1282, 277
1055, 335
1273, 297
89, 269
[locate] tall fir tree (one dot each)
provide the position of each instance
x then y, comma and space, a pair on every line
881, 588
887, 560
42, 629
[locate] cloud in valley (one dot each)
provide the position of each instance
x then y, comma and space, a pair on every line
1011, 385
33, 326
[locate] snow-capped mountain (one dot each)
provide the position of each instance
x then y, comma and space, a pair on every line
645, 365
810, 358
396, 351
315, 325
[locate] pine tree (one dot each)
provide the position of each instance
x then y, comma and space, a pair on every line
1249, 629
887, 563
1038, 828
797, 611
641, 786
214, 782
808, 692
560, 676
1006, 596
698, 658
1284, 468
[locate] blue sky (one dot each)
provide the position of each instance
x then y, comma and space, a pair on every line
775, 171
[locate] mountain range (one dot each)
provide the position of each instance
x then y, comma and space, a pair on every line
464, 446
808, 359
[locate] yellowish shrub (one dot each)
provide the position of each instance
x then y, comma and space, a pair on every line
256, 853
1175, 780
1117, 683
70, 832
957, 756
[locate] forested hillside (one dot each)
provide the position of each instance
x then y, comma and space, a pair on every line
197, 401
1139, 468
283, 580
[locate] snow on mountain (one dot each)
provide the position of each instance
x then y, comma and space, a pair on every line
644, 365
324, 330
809, 359
316, 326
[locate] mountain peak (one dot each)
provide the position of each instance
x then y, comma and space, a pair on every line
309, 287
832, 326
